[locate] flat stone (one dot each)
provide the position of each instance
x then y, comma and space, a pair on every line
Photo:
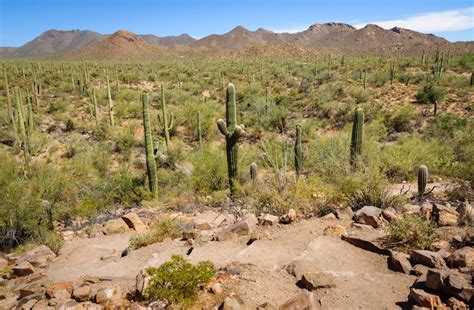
344, 213
241, 228
267, 220
317, 280
23, 269
370, 215
82, 293
301, 301
38, 257
427, 258
400, 262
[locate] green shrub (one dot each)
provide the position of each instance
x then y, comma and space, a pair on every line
160, 229
177, 281
359, 94
400, 117
430, 94
209, 170
412, 231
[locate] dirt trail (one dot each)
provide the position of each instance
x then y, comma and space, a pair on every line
362, 278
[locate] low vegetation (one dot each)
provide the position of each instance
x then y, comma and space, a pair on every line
412, 231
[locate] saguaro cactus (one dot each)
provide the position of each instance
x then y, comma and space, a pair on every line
21, 125
199, 130
149, 147
298, 151
232, 132
96, 109
165, 120
422, 179
472, 79
253, 171
111, 104
357, 136
9, 101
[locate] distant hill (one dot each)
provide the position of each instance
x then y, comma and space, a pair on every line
334, 37
122, 45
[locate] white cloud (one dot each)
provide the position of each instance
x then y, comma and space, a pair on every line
444, 21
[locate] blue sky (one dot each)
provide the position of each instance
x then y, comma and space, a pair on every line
22, 20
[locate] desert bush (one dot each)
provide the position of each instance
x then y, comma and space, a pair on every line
430, 94
209, 170
359, 94
178, 280
160, 230
412, 231
400, 117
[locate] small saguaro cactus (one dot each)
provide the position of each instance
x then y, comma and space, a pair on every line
472, 79
111, 104
166, 119
30, 116
392, 72
357, 136
298, 151
149, 147
199, 130
253, 171
422, 179
232, 132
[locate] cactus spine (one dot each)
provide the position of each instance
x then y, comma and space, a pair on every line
422, 179
232, 132
165, 123
357, 136
149, 147
253, 171
111, 104
298, 151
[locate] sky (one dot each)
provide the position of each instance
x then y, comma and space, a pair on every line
23, 20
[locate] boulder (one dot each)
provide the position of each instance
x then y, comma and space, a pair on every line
303, 300
39, 256
216, 289
344, 213
117, 226
390, 215
370, 215
241, 228
267, 220
461, 258
60, 290
8, 303
109, 295
427, 258
289, 217
134, 222
82, 292
29, 301
232, 303
445, 215
23, 269
451, 283
400, 262
424, 299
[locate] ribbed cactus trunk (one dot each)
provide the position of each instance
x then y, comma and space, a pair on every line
365, 78
199, 130
253, 171
9, 100
21, 125
111, 104
96, 109
422, 179
472, 79
31, 121
392, 73
232, 132
298, 151
149, 147
166, 120
357, 136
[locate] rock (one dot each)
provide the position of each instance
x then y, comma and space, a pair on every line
29, 301
23, 269
38, 257
344, 213
424, 299
109, 295
141, 281
134, 222
3, 263
232, 303
258, 235
43, 305
267, 220
241, 228
189, 234
444, 215
91, 306
217, 289
441, 245
301, 301
362, 227
427, 258
461, 258
317, 280
208, 220
411, 209
390, 215
370, 215
335, 230
289, 217
455, 304
137, 306
366, 245
8, 303
400, 262
82, 292
329, 216
69, 304
68, 235
96, 230
60, 290
117, 226
450, 283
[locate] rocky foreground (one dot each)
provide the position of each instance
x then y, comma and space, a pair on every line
338, 261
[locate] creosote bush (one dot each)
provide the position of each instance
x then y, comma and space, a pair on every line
178, 280
412, 231
160, 230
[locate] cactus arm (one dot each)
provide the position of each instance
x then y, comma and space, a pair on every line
222, 127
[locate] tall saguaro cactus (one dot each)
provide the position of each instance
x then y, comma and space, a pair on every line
166, 119
111, 104
149, 151
298, 151
232, 132
357, 136
9, 101
422, 179
96, 109
21, 125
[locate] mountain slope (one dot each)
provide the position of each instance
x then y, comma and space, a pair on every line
122, 45
168, 41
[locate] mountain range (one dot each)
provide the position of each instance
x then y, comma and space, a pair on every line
337, 37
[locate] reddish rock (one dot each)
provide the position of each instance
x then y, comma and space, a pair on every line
134, 222
400, 262
370, 215
241, 228
424, 299
302, 300
38, 257
267, 220
461, 258
427, 258
23, 269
